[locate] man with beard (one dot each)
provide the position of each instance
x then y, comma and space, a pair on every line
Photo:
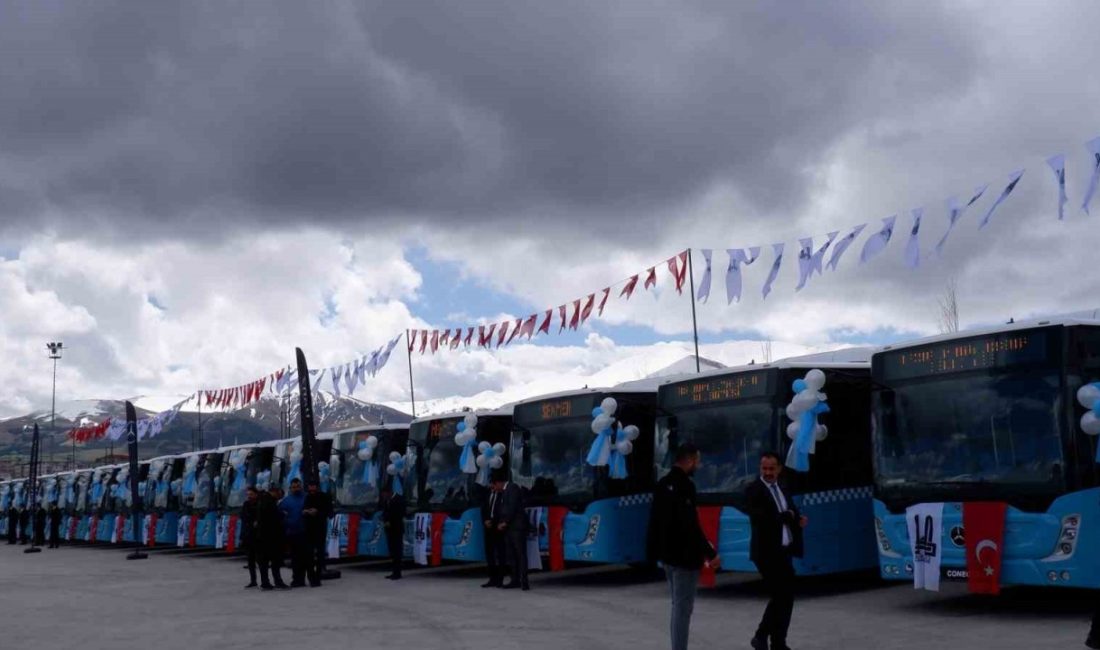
393, 520
316, 513
676, 539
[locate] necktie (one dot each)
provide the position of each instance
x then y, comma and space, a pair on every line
775, 493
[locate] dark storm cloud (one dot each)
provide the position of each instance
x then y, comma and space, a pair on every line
189, 117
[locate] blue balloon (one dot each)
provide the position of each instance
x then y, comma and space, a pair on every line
799, 385
1096, 408
461, 426
597, 412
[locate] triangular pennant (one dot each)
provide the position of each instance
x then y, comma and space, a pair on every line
1058, 166
589, 304
503, 333
1094, 150
516, 329
805, 261
423, 341
445, 338
545, 327
650, 278
955, 212
703, 294
528, 328
574, 322
485, 338
1013, 180
842, 246
435, 341
738, 258
469, 337
411, 336
777, 250
562, 314
456, 339
628, 289
877, 242
603, 301
912, 247
819, 255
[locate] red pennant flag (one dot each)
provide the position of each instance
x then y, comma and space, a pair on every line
435, 341
279, 373
561, 312
529, 325
984, 523
603, 301
469, 337
485, 339
679, 271
575, 320
545, 327
445, 339
456, 339
587, 310
516, 328
263, 384
651, 278
423, 341
410, 337
209, 397
628, 290
503, 333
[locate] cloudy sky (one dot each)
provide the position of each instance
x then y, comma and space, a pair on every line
188, 191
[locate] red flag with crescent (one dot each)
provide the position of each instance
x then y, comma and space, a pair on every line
984, 523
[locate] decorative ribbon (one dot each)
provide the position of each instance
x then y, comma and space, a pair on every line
467, 437
324, 475
396, 469
623, 447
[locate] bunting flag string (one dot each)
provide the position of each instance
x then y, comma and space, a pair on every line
843, 244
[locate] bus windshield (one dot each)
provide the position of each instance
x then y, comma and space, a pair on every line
730, 437
549, 460
358, 485
205, 483
972, 428
440, 481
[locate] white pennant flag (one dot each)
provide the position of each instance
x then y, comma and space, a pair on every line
777, 250
805, 261
336, 374
351, 377
877, 242
912, 247
1058, 166
1094, 148
733, 271
385, 356
704, 283
955, 212
317, 380
843, 244
1013, 179
819, 256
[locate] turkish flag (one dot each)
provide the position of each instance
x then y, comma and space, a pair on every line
353, 534
556, 530
709, 518
628, 290
603, 301
984, 523
586, 311
439, 519
651, 277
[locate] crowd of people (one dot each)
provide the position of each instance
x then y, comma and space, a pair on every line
19, 520
274, 524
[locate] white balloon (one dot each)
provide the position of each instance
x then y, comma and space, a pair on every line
481, 460
296, 446
793, 412
394, 456
364, 454
632, 432
499, 448
821, 432
391, 470
624, 447
1090, 424
792, 430
483, 446
470, 420
496, 462
805, 400
815, 380
372, 442
600, 423
609, 406
1087, 395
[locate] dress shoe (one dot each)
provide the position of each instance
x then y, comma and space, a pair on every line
1093, 642
251, 585
315, 584
282, 585
267, 588
525, 587
759, 643
492, 583
510, 585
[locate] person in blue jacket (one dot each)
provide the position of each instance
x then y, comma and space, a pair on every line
294, 526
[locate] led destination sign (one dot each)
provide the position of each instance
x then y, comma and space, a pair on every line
556, 409
979, 353
727, 388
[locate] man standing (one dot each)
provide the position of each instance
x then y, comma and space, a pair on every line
776, 539
513, 526
676, 539
316, 512
249, 539
24, 524
294, 527
13, 524
269, 536
55, 526
494, 540
393, 521
39, 531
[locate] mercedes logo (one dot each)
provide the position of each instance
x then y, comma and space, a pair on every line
958, 536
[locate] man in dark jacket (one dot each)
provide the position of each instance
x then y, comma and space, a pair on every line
393, 521
55, 526
249, 523
776, 539
676, 539
316, 513
495, 554
292, 507
13, 524
513, 526
39, 531
269, 540
24, 523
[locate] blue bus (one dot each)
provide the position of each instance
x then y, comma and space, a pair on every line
437, 488
359, 460
990, 415
596, 515
735, 414
200, 498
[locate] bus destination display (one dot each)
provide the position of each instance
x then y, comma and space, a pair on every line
718, 389
438, 429
993, 351
556, 409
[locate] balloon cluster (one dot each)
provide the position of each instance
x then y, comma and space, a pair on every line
334, 463
365, 453
490, 457
396, 469
467, 439
295, 461
263, 480
804, 430
190, 466
613, 442
1089, 397
238, 458
324, 475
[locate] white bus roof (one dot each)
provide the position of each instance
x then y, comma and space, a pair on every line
642, 386
501, 411
1087, 317
373, 427
842, 359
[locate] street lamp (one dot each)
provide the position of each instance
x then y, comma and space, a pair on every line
55, 354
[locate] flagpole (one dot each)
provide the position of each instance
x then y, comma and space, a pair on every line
694, 322
412, 391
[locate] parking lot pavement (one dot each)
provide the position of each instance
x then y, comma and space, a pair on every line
95, 598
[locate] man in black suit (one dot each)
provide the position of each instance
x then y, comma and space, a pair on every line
494, 540
513, 526
316, 514
13, 524
55, 526
776, 539
393, 520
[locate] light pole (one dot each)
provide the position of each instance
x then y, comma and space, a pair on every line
55, 354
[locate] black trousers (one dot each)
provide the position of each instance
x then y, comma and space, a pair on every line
1094, 631
11, 532
778, 574
270, 559
318, 553
300, 564
516, 543
395, 542
55, 537
253, 560
495, 555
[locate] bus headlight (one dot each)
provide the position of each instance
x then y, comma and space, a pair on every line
884, 547
1067, 539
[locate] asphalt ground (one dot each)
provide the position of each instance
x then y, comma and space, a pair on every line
95, 598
